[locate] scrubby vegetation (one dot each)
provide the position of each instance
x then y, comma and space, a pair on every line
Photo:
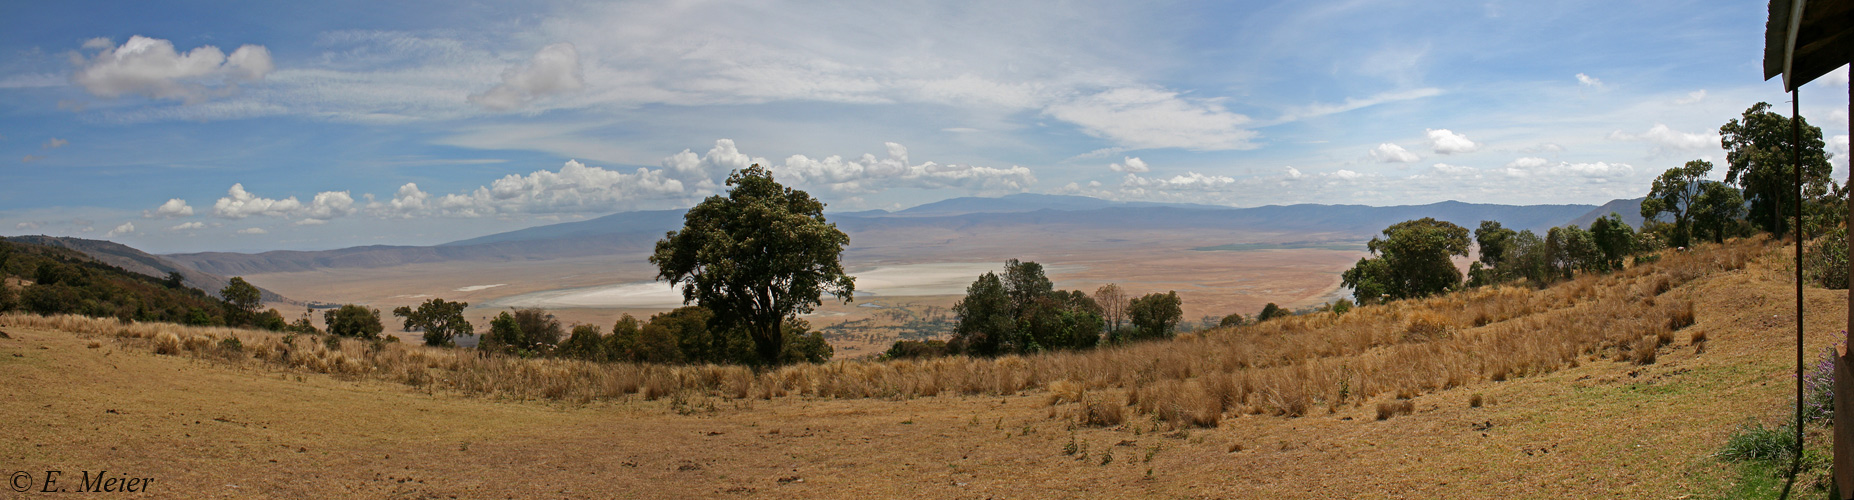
1022, 312
48, 280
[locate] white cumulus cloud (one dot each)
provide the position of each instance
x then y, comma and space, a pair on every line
870, 174
409, 201
253, 230
1392, 153
125, 228
1189, 181
54, 143
328, 205
174, 208
1588, 171
574, 188
1132, 165
151, 67
1667, 140
554, 70
1589, 81
188, 226
1447, 170
238, 204
721, 159
1447, 142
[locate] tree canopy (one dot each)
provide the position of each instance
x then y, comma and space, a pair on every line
1758, 151
1411, 260
242, 301
1155, 315
1675, 193
354, 321
757, 257
440, 321
1022, 312
1717, 208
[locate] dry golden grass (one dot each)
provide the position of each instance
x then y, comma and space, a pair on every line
1288, 367
402, 421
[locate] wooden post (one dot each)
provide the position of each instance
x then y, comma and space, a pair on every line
1844, 367
1844, 424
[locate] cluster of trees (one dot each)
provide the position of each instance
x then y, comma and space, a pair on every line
1413, 258
47, 280
1022, 312
1506, 255
1699, 209
682, 336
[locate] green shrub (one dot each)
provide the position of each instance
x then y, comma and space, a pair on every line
1342, 306
584, 343
916, 349
354, 321
1825, 260
1155, 315
802, 346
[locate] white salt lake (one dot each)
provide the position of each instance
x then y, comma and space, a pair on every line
884, 281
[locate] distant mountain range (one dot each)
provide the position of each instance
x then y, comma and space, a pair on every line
139, 262
1629, 210
639, 231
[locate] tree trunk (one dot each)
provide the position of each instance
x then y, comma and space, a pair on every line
768, 340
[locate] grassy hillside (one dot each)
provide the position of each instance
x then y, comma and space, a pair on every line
1620, 385
139, 262
58, 280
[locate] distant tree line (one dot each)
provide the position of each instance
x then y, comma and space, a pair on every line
47, 280
1414, 258
685, 335
1021, 312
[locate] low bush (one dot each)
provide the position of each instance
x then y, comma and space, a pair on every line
1825, 260
1389, 409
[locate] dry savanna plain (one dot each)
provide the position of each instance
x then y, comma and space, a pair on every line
1606, 386
914, 271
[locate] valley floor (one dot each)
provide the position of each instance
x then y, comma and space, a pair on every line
207, 429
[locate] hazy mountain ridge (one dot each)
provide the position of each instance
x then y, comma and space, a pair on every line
1629, 210
144, 263
639, 231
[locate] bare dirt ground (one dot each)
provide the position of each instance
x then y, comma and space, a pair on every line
204, 429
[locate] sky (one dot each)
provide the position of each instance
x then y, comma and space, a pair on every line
252, 126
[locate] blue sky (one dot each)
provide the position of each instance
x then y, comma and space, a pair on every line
192, 126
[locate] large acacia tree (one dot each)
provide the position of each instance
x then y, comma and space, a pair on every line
1758, 149
757, 257
1411, 260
